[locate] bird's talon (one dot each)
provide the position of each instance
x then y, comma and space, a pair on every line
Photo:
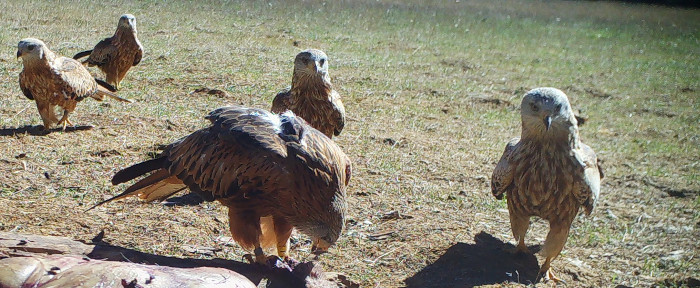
548, 276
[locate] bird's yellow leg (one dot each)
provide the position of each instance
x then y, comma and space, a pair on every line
519, 224
283, 230
283, 249
64, 120
556, 238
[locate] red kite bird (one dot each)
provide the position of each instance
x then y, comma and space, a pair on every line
547, 172
115, 55
52, 81
258, 164
311, 95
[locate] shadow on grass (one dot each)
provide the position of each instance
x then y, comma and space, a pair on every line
275, 278
191, 199
487, 261
38, 130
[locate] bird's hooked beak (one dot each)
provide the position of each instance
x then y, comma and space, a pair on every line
547, 122
19, 53
318, 65
319, 247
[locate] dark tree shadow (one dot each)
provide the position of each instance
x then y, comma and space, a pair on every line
191, 199
38, 130
487, 261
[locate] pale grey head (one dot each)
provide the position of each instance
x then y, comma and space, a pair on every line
546, 110
311, 62
31, 49
127, 21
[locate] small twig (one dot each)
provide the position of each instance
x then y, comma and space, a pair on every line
380, 256
20, 111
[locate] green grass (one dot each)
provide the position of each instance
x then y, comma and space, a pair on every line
413, 71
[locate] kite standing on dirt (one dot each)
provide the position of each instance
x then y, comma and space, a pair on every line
52, 80
117, 54
547, 172
311, 95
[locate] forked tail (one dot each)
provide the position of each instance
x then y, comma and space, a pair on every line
158, 186
82, 54
104, 89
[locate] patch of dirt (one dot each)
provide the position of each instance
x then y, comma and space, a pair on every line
106, 153
464, 64
657, 112
208, 91
597, 93
490, 100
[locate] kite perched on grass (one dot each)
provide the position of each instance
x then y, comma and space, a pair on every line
51, 80
117, 54
547, 172
311, 95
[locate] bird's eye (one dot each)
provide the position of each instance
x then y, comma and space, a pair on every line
534, 107
323, 61
30, 47
558, 107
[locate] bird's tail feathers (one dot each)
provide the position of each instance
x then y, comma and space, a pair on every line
156, 187
102, 92
82, 54
106, 85
136, 170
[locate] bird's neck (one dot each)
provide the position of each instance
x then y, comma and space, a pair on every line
47, 58
311, 87
556, 137
125, 33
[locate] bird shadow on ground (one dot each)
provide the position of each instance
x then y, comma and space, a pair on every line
279, 277
38, 130
191, 199
487, 261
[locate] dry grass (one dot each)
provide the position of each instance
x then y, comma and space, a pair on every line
414, 78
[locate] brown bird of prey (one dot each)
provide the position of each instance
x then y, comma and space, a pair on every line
547, 172
311, 95
258, 164
115, 55
53, 80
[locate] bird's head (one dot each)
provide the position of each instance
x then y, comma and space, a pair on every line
546, 109
127, 21
311, 62
30, 49
327, 223
325, 232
